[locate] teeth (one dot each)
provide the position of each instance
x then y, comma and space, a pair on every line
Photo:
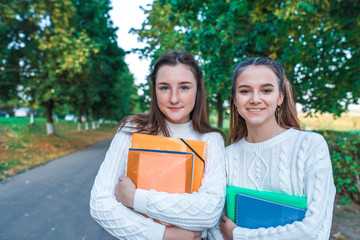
254, 110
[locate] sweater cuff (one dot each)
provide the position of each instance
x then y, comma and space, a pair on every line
140, 197
158, 231
240, 233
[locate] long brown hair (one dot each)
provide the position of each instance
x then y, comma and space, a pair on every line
288, 117
153, 122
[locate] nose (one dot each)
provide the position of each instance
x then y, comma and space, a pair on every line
174, 98
255, 98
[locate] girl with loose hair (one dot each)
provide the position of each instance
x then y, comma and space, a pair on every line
153, 122
268, 152
177, 110
288, 117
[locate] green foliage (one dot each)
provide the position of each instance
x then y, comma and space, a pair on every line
64, 52
15, 45
345, 156
317, 41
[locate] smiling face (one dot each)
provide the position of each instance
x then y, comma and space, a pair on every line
176, 92
257, 95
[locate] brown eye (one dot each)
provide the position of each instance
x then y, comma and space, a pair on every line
268, 90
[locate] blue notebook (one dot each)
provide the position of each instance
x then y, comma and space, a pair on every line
252, 212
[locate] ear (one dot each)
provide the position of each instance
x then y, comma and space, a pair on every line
281, 99
234, 101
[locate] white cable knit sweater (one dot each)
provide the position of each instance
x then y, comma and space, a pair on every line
295, 163
197, 211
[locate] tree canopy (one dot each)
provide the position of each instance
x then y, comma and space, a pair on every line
64, 52
316, 41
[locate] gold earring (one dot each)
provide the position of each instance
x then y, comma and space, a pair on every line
278, 112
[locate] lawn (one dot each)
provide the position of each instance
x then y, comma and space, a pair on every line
24, 146
347, 122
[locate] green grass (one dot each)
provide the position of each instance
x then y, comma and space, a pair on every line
24, 145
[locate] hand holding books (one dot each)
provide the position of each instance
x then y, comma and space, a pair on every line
125, 191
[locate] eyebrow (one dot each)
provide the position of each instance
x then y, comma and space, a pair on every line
264, 85
166, 83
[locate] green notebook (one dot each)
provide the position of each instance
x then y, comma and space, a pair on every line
231, 192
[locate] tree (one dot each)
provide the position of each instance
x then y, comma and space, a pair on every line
107, 69
16, 45
315, 40
64, 52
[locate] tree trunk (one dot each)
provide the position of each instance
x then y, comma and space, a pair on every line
50, 128
220, 109
56, 118
31, 118
87, 119
80, 120
93, 120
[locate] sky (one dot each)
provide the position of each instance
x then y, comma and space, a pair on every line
126, 14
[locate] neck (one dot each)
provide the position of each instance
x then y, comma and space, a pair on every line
176, 128
262, 133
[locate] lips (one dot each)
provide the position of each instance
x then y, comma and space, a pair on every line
255, 109
174, 108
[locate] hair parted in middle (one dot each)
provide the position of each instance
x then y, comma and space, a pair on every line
153, 122
288, 117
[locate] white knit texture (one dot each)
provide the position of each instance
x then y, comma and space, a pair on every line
197, 211
295, 163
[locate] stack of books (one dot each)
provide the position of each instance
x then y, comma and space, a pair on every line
164, 171
166, 164
253, 209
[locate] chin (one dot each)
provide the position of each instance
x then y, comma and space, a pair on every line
177, 121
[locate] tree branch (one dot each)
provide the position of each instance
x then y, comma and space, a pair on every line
14, 3
7, 83
9, 70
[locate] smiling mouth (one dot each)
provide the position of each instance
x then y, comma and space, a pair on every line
255, 110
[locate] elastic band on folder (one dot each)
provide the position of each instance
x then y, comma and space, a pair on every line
193, 151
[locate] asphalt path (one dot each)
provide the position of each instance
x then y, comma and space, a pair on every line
52, 201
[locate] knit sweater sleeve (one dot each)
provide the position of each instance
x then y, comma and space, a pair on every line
117, 219
214, 232
320, 191
196, 211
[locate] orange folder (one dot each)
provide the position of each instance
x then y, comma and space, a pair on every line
198, 148
165, 171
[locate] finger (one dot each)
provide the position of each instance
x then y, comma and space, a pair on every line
222, 225
224, 218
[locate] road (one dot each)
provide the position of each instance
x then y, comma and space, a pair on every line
52, 201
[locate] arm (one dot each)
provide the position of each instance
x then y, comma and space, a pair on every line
175, 233
199, 210
214, 233
117, 219
320, 192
